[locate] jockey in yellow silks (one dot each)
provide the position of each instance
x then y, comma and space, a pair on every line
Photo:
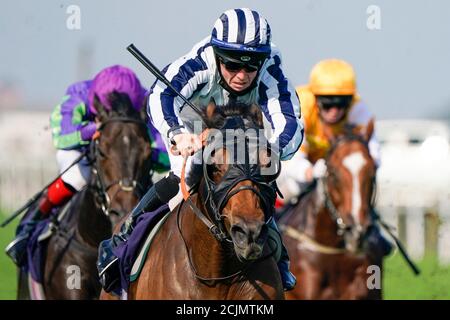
329, 100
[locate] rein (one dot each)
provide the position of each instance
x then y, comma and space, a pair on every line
213, 228
309, 243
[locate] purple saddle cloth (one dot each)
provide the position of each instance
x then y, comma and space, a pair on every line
128, 251
36, 246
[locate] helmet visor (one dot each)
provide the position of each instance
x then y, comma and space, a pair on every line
233, 59
233, 66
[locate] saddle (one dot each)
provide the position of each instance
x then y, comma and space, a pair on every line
133, 252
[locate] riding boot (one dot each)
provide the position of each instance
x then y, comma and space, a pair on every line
288, 279
376, 243
58, 194
107, 263
17, 248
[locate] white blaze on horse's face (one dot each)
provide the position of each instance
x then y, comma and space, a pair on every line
126, 140
354, 162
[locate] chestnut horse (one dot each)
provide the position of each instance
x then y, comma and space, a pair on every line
213, 245
325, 231
120, 174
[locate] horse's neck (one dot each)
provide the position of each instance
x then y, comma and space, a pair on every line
313, 218
92, 224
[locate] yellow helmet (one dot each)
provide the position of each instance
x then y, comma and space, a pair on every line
332, 77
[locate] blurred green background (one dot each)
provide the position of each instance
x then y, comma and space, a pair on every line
8, 280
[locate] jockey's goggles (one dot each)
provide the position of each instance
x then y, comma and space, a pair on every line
339, 102
235, 60
233, 66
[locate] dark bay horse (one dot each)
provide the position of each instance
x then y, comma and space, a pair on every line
214, 245
324, 232
119, 176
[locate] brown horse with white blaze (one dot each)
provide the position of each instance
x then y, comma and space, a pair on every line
214, 244
325, 231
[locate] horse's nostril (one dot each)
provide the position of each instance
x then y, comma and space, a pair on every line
245, 234
239, 235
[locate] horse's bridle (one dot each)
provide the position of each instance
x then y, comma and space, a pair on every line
103, 198
216, 197
342, 228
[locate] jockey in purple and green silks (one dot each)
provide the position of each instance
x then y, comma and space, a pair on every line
73, 123
73, 126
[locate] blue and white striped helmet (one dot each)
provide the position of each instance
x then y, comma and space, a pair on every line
242, 30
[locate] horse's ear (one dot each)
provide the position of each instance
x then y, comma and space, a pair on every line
256, 116
264, 158
369, 130
143, 111
328, 132
102, 113
219, 158
211, 109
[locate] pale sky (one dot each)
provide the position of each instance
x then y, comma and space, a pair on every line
402, 69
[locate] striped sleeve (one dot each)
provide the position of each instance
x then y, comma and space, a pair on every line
189, 74
281, 107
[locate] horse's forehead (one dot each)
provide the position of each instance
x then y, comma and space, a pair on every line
126, 132
345, 148
126, 140
354, 162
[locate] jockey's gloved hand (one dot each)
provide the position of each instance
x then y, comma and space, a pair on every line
319, 169
186, 144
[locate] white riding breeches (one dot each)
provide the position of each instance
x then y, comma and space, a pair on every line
78, 175
292, 176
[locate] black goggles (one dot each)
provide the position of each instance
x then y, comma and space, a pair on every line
234, 66
328, 102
